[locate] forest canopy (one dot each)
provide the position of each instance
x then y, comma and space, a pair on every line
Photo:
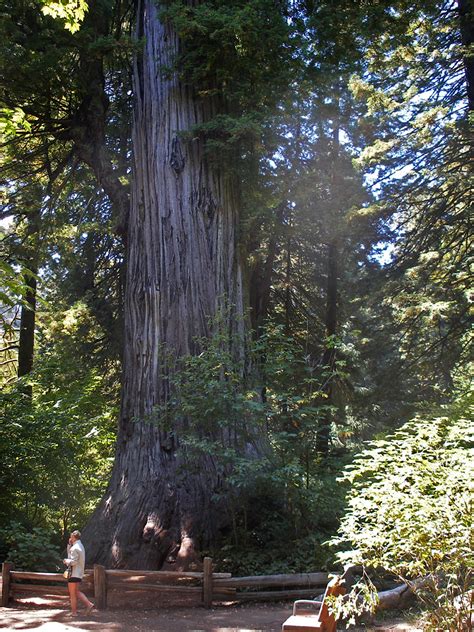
236, 253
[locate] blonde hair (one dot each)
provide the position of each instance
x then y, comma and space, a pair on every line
76, 534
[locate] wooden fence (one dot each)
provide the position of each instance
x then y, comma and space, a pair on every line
206, 586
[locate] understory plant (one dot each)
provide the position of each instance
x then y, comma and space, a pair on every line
410, 509
56, 445
283, 504
33, 549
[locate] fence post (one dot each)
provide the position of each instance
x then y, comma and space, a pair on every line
100, 586
207, 583
6, 578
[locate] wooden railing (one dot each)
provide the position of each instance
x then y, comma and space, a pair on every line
307, 584
206, 586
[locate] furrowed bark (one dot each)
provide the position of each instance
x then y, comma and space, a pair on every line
182, 268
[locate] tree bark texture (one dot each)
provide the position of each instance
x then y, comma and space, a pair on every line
183, 267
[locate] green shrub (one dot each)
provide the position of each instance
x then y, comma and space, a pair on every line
283, 505
411, 506
30, 550
55, 448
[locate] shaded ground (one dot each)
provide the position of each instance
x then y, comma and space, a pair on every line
247, 618
38, 615
220, 619
132, 612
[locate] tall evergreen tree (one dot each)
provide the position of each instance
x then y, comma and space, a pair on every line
184, 270
416, 85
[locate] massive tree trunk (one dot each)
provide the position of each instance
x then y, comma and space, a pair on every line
183, 267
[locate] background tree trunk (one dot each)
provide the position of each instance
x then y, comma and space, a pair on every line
329, 356
28, 310
466, 18
182, 268
27, 326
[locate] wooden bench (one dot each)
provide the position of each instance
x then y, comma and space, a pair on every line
309, 615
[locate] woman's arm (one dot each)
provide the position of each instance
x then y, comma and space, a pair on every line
73, 557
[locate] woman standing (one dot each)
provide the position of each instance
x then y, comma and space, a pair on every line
76, 562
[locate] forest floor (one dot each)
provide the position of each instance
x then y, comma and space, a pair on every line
39, 614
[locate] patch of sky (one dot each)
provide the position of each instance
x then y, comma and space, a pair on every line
6, 222
383, 253
343, 138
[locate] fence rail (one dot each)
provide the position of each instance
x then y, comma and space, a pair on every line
206, 585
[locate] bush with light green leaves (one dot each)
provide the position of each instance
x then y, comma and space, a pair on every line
410, 511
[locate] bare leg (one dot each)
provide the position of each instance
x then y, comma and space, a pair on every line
88, 604
72, 588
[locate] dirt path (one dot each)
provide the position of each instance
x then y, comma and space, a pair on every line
132, 614
240, 618
164, 620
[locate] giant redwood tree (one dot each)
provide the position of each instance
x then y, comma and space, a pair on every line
184, 269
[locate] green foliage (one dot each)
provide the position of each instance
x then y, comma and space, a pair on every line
411, 506
11, 121
55, 453
213, 395
56, 448
71, 11
29, 549
209, 389
277, 73
12, 288
238, 54
295, 391
234, 48
417, 156
281, 523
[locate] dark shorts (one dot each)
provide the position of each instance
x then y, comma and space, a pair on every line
74, 580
